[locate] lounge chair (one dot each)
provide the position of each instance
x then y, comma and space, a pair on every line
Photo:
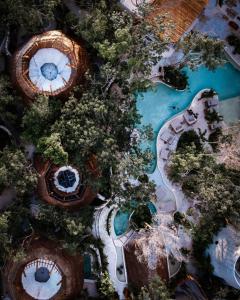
167, 137
164, 154
177, 125
212, 102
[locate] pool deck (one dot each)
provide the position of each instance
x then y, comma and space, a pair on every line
99, 231
230, 110
182, 202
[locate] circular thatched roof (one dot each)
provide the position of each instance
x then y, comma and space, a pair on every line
49, 63
64, 186
64, 278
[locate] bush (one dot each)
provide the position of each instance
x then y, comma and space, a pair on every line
141, 216
234, 41
188, 138
208, 94
176, 78
213, 116
214, 138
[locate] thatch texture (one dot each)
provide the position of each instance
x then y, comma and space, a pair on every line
180, 14
81, 197
51, 39
138, 272
71, 268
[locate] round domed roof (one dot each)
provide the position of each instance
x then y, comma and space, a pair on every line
42, 274
49, 63
66, 179
41, 279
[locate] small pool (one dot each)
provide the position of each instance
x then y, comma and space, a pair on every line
152, 208
121, 222
121, 219
159, 105
87, 268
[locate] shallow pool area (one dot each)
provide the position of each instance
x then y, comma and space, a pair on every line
159, 105
121, 222
152, 208
121, 219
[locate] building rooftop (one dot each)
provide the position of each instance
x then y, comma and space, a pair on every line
49, 63
180, 15
64, 186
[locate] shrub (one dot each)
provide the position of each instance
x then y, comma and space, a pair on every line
141, 216
188, 138
234, 41
176, 78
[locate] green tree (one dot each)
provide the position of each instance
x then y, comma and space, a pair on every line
68, 227
16, 171
200, 49
39, 117
15, 14
51, 148
9, 101
14, 226
106, 287
156, 290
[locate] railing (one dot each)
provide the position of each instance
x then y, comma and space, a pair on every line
50, 265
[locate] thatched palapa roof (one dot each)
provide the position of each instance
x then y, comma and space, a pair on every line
139, 274
81, 196
37, 249
179, 13
43, 54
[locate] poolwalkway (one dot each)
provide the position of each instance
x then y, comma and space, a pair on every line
215, 22
197, 106
230, 110
99, 231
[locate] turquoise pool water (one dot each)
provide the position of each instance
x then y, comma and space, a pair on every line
156, 106
152, 208
121, 222
87, 269
121, 219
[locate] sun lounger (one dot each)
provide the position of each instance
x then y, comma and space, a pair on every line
189, 118
212, 102
177, 125
167, 137
164, 154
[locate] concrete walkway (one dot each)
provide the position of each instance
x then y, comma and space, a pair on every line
99, 230
182, 203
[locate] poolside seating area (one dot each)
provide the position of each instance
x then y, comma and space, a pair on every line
164, 154
177, 124
212, 101
190, 117
167, 136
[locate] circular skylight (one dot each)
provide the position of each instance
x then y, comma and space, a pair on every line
49, 69
41, 279
66, 179
42, 274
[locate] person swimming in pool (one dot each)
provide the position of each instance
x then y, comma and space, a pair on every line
174, 107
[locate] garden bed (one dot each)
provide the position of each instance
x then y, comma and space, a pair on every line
174, 77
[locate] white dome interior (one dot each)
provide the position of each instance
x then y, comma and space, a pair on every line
49, 69
41, 290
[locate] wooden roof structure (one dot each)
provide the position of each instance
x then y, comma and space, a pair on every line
51, 39
138, 273
48, 192
179, 15
37, 248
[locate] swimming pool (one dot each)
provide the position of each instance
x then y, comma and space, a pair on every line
121, 219
156, 106
121, 222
